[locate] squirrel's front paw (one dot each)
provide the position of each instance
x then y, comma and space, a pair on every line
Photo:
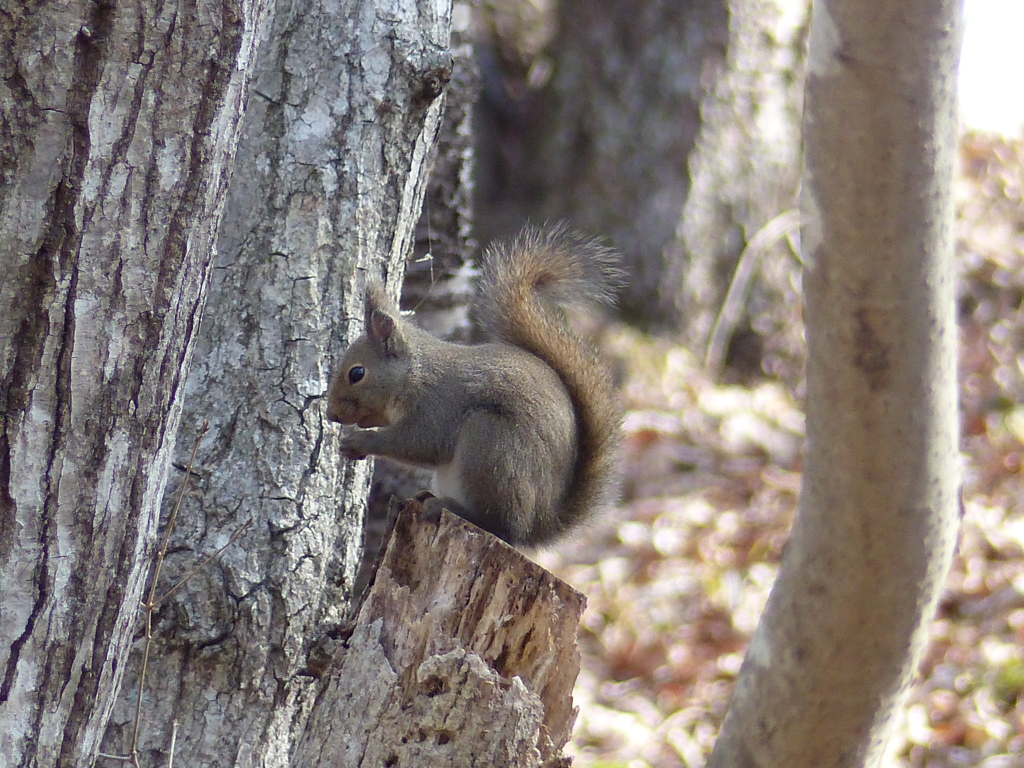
353, 446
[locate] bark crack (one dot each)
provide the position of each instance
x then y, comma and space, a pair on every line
59, 248
19, 642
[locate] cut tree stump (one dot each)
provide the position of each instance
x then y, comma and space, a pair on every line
463, 653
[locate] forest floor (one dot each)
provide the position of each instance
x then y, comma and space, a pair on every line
677, 577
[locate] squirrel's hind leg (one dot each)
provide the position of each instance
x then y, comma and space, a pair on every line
432, 506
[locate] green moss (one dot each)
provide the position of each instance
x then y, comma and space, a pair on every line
1009, 682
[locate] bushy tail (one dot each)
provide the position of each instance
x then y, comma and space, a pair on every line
527, 283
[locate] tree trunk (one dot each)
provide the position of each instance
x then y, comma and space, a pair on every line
463, 654
847, 620
344, 110
436, 284
623, 114
119, 122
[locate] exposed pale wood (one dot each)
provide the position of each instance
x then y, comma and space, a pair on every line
463, 653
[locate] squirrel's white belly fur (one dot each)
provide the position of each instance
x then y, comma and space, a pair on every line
446, 484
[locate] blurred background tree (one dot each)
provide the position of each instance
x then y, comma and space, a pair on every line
671, 128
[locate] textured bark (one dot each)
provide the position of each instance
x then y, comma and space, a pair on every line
463, 654
344, 110
671, 127
119, 122
846, 622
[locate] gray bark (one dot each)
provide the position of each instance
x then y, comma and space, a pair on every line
118, 124
345, 108
625, 112
846, 622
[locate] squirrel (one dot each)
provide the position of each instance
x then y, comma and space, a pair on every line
522, 432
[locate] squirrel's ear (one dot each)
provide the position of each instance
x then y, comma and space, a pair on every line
375, 300
381, 321
383, 330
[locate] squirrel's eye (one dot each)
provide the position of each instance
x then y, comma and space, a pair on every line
355, 374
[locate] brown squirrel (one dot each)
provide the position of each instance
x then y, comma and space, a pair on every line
522, 432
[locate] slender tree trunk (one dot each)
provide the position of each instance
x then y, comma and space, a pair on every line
345, 107
119, 122
846, 622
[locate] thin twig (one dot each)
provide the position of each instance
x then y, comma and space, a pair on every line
150, 606
205, 562
174, 740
